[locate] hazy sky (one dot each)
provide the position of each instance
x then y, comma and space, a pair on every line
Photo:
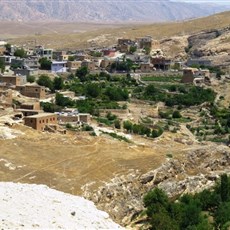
208, 1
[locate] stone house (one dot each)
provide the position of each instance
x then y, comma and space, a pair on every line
32, 90
72, 66
12, 80
41, 120
190, 74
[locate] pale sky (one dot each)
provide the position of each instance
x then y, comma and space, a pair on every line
226, 2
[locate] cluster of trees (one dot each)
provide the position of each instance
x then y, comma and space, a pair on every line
209, 209
45, 64
20, 53
193, 96
142, 129
110, 119
122, 66
56, 84
169, 114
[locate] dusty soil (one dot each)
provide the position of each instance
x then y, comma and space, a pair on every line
67, 162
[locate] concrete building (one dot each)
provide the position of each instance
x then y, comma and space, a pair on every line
72, 66
7, 59
26, 72
47, 53
32, 90
57, 54
59, 67
41, 120
27, 63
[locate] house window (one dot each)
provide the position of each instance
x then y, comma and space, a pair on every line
47, 120
31, 120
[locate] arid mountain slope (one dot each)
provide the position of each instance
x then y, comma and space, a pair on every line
103, 11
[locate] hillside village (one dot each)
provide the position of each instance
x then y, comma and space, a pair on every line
112, 123
21, 68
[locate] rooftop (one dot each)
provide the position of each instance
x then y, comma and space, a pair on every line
41, 115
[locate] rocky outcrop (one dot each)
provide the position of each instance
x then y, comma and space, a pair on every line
196, 170
212, 44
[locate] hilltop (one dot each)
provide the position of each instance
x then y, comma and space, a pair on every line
104, 11
73, 35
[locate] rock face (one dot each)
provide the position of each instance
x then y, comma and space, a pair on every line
195, 171
213, 45
25, 206
104, 11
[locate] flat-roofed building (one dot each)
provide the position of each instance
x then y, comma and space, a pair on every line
41, 120
11, 80
73, 65
32, 90
84, 117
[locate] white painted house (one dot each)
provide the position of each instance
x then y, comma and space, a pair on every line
59, 67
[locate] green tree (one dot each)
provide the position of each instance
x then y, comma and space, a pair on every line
82, 72
30, 78
161, 220
92, 90
224, 188
176, 114
45, 63
222, 215
8, 47
44, 80
58, 83
128, 125
117, 124
20, 53
71, 58
2, 66
63, 101
132, 49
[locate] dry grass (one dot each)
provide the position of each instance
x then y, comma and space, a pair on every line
73, 35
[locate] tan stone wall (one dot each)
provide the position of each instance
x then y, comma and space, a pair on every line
68, 119
39, 123
14, 80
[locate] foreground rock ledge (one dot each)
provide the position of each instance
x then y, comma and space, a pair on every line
28, 206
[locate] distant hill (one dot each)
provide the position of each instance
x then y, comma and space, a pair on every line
103, 11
